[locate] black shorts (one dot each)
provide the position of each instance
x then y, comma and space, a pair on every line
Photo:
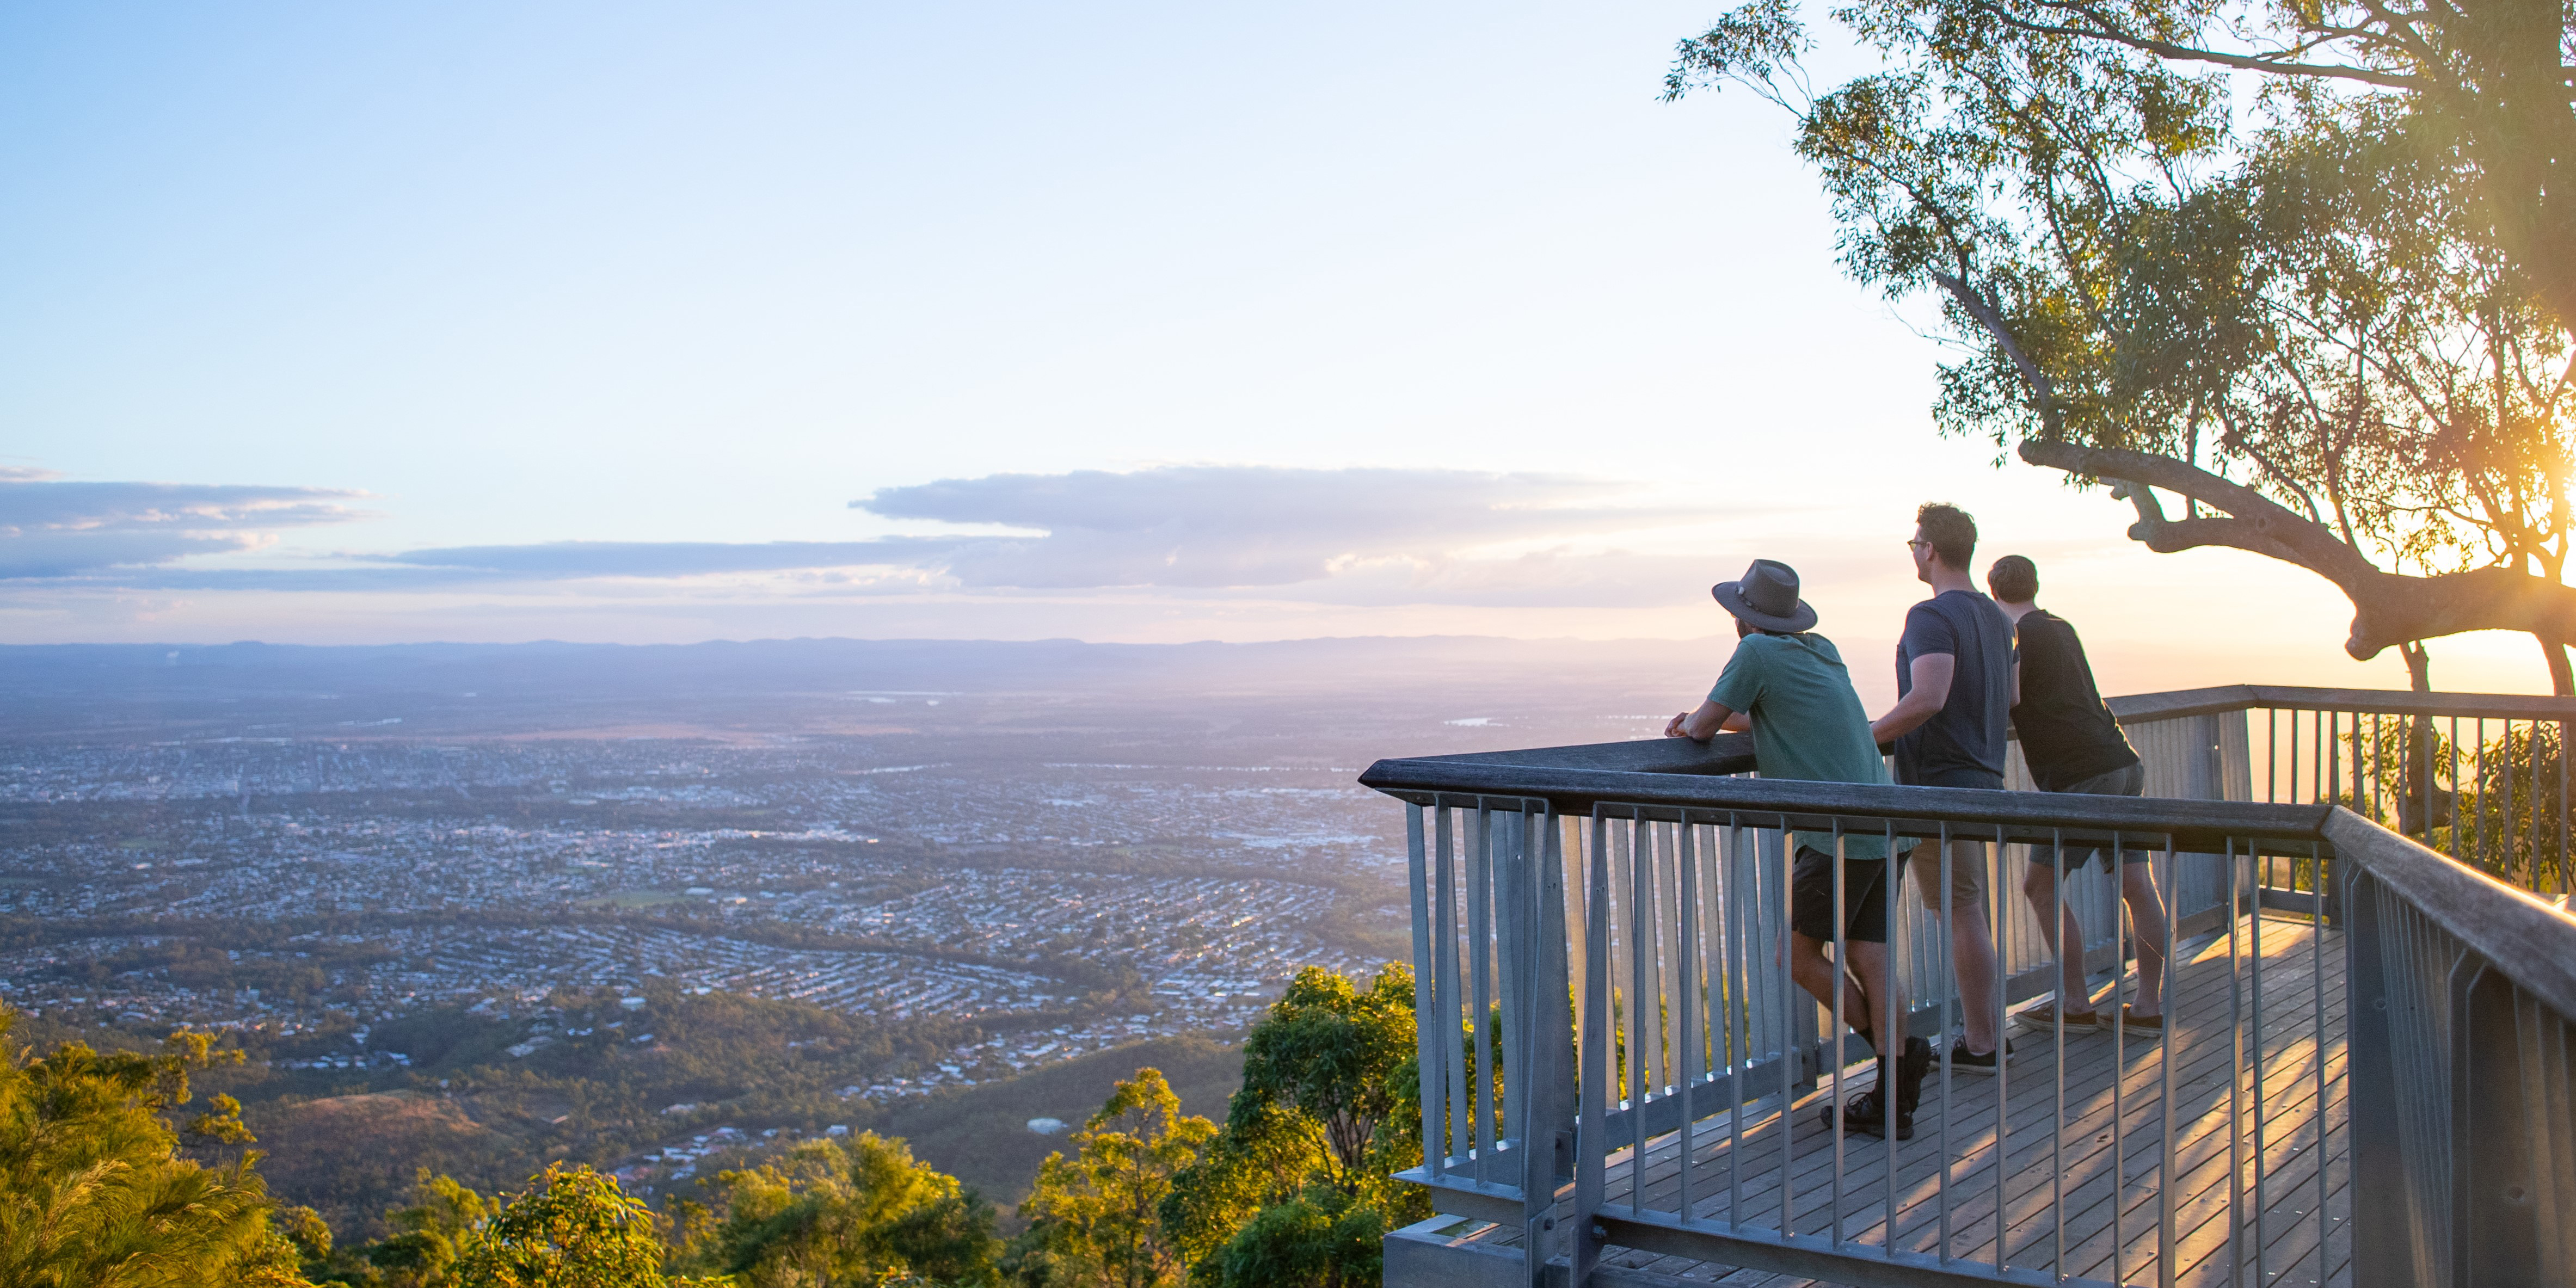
2128, 780
1865, 897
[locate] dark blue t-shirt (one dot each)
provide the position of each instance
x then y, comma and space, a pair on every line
1962, 745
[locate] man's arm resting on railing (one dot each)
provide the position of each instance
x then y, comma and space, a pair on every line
1929, 692
1704, 724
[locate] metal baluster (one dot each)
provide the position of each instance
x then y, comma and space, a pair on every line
2271, 751
2531, 806
1689, 977
1447, 998
2120, 929
2478, 831
1941, 1039
2167, 1244
1620, 1021
2378, 769
2334, 755
1480, 887
1512, 947
1641, 1004
1526, 951
1582, 1251
1656, 1065
1834, 1044
2271, 793
2057, 1123
2235, 1084
2508, 848
2316, 788
1739, 1012
2425, 725
2262, 1065
1676, 1060
1716, 890
1888, 884
2317, 985
1992, 860
1788, 1058
1425, 1003
2563, 882
2455, 787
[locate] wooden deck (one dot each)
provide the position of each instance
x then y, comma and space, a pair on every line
2065, 1206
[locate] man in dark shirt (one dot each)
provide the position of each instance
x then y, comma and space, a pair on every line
2073, 743
1954, 682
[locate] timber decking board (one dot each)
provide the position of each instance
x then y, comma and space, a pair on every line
2284, 1068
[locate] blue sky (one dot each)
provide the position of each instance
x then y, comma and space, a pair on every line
1118, 322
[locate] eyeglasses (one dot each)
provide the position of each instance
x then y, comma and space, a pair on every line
1911, 542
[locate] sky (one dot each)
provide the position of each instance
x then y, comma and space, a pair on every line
663, 323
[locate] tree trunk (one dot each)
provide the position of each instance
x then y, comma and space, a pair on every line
2562, 680
2421, 803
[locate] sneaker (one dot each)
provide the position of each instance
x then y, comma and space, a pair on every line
2043, 1018
1866, 1114
1963, 1060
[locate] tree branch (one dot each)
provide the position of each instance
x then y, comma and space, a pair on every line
2307, 543
2191, 53
2043, 391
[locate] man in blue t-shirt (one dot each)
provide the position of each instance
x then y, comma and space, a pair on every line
1788, 685
1956, 682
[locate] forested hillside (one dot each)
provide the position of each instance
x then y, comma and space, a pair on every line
126, 1168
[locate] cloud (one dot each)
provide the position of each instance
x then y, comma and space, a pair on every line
1212, 526
566, 559
1352, 537
53, 528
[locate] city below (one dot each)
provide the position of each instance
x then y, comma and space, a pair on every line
533, 922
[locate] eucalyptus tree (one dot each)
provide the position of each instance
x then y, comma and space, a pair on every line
2288, 296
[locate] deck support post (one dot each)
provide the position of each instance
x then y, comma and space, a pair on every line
2495, 1204
2383, 1232
1545, 1040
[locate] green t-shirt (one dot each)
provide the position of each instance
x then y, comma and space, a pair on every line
1807, 721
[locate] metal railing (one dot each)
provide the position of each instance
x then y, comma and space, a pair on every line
1615, 1059
2479, 777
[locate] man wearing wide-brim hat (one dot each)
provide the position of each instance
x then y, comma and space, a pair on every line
1789, 686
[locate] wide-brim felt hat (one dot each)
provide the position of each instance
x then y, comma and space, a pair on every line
1766, 597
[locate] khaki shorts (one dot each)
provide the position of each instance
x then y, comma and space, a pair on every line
1967, 874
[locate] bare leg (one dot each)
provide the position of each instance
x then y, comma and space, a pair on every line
2039, 882
2147, 923
1972, 940
1972, 955
1816, 973
1886, 1009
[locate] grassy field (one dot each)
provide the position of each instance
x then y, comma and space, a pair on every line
981, 1135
